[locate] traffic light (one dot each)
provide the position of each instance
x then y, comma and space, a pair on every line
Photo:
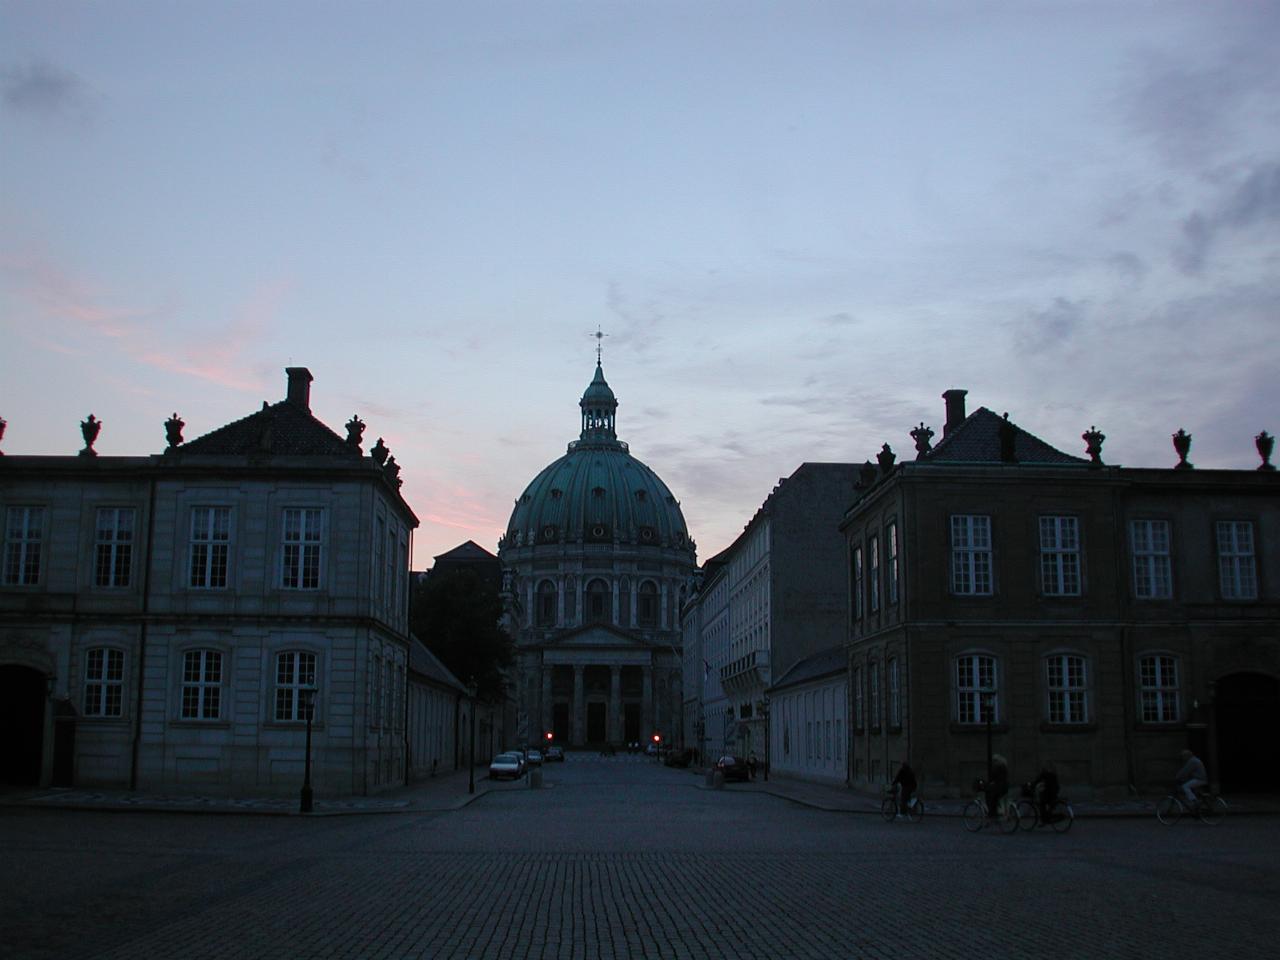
549, 735
657, 738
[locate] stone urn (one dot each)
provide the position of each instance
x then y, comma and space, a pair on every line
1093, 439
1182, 445
173, 430
89, 429
1263, 441
922, 435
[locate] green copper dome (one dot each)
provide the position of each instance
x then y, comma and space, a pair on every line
598, 492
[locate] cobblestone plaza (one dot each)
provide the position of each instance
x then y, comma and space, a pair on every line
627, 859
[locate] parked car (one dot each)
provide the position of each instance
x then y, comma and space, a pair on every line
533, 758
679, 758
506, 766
733, 768
650, 749
554, 754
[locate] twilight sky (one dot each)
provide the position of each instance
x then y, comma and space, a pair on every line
797, 222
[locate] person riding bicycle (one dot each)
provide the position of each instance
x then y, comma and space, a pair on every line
1191, 776
997, 785
1045, 790
905, 782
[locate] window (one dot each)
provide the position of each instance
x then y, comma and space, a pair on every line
302, 540
891, 563
598, 602
873, 675
855, 567
1068, 696
1236, 573
1158, 688
379, 544
1152, 576
977, 696
390, 581
389, 697
104, 682
873, 574
857, 698
895, 694
113, 547
375, 693
23, 529
546, 605
971, 555
647, 604
295, 673
1060, 556
201, 685
210, 545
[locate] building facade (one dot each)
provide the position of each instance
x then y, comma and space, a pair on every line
1007, 597
165, 621
597, 562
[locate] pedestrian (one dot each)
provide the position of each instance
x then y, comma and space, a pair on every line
1191, 775
998, 786
751, 766
905, 783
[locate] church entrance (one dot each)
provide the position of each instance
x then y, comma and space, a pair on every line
560, 722
597, 729
631, 721
1247, 718
22, 702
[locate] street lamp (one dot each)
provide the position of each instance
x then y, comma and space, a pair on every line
308, 695
986, 698
763, 706
471, 758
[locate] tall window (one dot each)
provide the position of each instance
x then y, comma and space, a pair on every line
647, 604
1068, 695
1237, 575
379, 563
113, 547
104, 682
201, 685
624, 603
873, 676
1158, 688
23, 529
855, 573
1152, 572
971, 555
390, 598
598, 599
1060, 556
873, 574
303, 537
895, 694
977, 695
858, 722
375, 693
389, 698
546, 605
891, 564
295, 673
210, 547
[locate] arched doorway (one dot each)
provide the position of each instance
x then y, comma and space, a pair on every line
22, 708
1247, 718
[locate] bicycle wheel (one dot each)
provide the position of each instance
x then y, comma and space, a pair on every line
1061, 816
1213, 810
1027, 814
975, 815
915, 812
1169, 810
1009, 818
889, 808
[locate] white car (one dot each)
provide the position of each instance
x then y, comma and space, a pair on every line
508, 766
534, 758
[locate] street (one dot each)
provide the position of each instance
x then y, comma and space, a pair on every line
628, 859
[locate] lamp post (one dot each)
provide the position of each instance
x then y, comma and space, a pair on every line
308, 695
471, 756
985, 698
763, 706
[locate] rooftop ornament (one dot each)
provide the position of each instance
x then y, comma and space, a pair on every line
866, 475
1263, 441
885, 458
355, 431
90, 429
1008, 435
1182, 444
173, 430
923, 436
3, 423
1093, 439
379, 452
392, 471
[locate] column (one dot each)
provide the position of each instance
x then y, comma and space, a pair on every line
578, 736
615, 704
646, 712
547, 710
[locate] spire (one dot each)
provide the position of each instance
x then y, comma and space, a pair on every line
599, 406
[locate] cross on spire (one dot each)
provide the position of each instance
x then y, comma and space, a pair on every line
599, 335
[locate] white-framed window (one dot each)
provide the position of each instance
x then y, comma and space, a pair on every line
113, 547
210, 551
1152, 567
873, 574
201, 685
295, 673
895, 693
858, 722
873, 684
1060, 556
977, 692
971, 555
303, 539
1158, 691
1066, 681
891, 563
1237, 573
855, 574
103, 682
23, 536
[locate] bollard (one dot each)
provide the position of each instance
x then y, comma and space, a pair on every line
535, 778
715, 779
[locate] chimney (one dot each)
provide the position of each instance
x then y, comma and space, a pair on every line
955, 410
299, 386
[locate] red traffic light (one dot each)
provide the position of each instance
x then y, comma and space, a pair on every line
657, 738
549, 735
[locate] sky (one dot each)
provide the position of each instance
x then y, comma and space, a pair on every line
797, 223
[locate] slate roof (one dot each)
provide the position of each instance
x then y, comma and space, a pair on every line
465, 553
823, 664
280, 429
977, 440
425, 663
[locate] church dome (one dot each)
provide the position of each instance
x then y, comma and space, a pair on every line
598, 492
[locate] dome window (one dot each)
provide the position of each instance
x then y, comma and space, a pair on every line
641, 496
549, 532
598, 531
556, 493
647, 535
597, 491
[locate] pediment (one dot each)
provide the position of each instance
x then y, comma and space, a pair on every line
596, 636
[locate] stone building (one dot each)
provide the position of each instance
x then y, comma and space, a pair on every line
165, 619
1101, 618
597, 561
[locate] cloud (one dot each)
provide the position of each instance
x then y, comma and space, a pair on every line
1051, 327
44, 90
1252, 201
839, 319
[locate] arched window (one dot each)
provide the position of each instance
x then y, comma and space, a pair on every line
624, 602
647, 604
598, 602
546, 605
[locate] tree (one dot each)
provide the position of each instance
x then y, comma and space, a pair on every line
457, 613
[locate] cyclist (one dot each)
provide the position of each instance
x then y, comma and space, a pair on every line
1045, 790
1190, 776
905, 783
998, 785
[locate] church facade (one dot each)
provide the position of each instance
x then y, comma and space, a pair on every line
597, 563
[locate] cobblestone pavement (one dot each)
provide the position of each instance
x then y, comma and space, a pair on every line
618, 860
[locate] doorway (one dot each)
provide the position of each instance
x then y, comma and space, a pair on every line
596, 730
22, 703
1247, 719
631, 722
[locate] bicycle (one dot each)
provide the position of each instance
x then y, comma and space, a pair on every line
889, 806
976, 816
1209, 808
1060, 815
